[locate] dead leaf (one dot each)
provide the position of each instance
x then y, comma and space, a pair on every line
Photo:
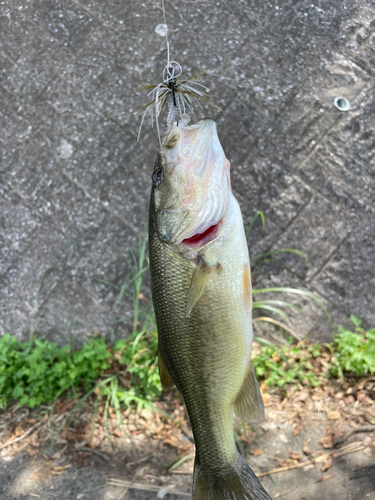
295, 456
16, 449
21, 447
305, 448
32, 451
57, 469
327, 463
302, 396
256, 451
31, 420
333, 415
180, 444
336, 437
326, 442
19, 430
142, 297
368, 451
324, 478
61, 441
297, 428
34, 440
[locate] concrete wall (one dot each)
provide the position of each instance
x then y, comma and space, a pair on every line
75, 183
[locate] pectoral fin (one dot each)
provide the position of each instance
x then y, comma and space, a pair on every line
199, 282
165, 377
249, 403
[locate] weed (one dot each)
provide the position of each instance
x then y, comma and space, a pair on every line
136, 266
257, 215
37, 371
353, 352
275, 305
287, 363
350, 353
139, 354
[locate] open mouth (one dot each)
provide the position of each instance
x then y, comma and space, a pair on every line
201, 239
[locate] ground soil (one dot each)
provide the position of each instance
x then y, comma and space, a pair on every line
319, 443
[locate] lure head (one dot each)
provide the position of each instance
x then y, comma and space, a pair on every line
179, 96
191, 186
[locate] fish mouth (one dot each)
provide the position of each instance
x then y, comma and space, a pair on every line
200, 239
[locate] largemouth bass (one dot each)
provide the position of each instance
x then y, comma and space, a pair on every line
202, 296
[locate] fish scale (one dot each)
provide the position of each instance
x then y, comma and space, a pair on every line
188, 345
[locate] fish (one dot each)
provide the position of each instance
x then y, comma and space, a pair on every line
202, 297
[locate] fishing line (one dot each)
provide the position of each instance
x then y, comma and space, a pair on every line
179, 96
169, 73
166, 31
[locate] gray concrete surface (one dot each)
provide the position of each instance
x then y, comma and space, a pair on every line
75, 183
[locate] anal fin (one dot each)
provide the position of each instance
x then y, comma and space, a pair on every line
165, 377
249, 405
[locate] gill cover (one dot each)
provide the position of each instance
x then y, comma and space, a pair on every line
194, 191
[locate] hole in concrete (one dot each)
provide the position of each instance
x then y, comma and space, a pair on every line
341, 103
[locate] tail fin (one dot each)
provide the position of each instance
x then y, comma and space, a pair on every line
235, 482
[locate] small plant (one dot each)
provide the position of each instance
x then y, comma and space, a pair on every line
140, 379
125, 372
136, 266
277, 306
38, 371
353, 352
350, 353
287, 364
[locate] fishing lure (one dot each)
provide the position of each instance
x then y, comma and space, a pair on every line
179, 96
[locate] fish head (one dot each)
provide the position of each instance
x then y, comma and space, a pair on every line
191, 186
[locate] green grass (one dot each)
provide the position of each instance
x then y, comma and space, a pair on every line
125, 372
287, 364
350, 353
38, 371
353, 352
276, 305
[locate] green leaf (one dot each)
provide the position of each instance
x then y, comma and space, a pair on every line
263, 220
356, 321
283, 250
294, 291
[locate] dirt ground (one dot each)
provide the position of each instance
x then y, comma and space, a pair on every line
318, 443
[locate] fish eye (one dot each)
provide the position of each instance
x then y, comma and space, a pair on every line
157, 177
